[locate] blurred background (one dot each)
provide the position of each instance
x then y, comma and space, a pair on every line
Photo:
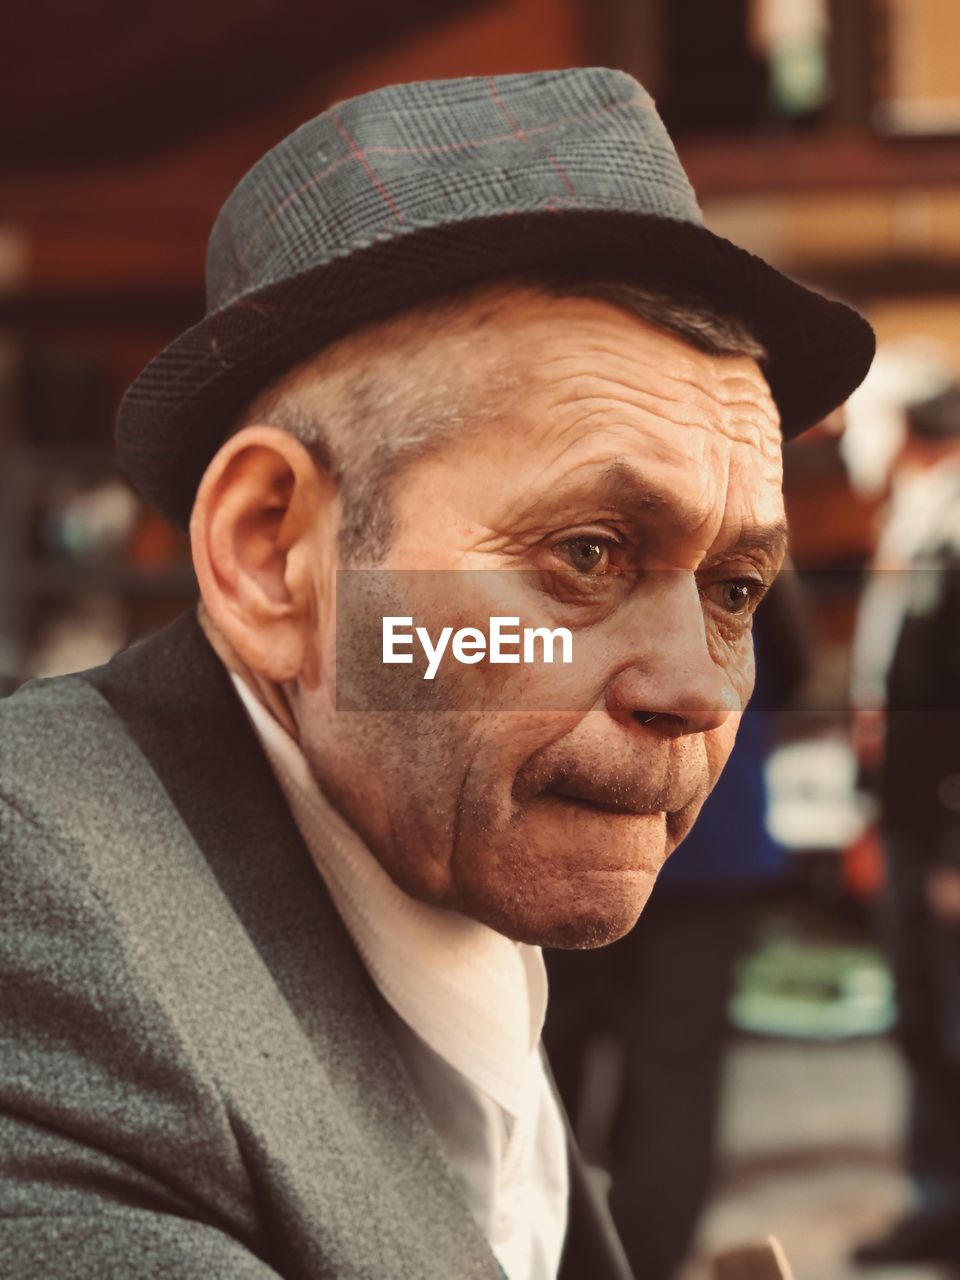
822, 134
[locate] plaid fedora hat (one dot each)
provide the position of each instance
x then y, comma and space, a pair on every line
416, 190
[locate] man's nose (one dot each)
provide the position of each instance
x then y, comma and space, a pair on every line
672, 684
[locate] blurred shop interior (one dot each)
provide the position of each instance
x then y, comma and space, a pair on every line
822, 134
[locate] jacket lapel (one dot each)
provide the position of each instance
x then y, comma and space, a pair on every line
593, 1248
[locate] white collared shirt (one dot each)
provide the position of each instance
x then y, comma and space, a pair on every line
466, 1011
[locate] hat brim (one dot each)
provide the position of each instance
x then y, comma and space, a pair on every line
175, 415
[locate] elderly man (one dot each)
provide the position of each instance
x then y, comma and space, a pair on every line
273, 902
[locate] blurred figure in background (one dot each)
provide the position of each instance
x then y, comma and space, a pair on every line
906, 694
660, 995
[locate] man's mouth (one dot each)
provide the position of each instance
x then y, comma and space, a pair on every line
598, 801
627, 787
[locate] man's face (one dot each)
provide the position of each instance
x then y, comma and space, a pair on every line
630, 492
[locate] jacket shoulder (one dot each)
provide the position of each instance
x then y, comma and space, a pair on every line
64, 755
101, 1086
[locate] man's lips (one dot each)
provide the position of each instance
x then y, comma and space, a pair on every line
605, 780
600, 802
608, 804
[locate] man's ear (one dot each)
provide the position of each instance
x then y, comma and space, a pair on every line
264, 538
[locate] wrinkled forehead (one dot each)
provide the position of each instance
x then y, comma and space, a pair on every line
613, 400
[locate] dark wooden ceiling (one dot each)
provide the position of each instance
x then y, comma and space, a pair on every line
110, 79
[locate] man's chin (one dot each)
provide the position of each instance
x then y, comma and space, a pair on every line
591, 910
599, 922
562, 878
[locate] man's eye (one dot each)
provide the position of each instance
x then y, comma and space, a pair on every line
736, 595
586, 554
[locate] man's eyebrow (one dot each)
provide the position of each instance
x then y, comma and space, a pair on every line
769, 539
623, 489
618, 489
626, 490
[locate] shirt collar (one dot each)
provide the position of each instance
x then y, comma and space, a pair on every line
477, 998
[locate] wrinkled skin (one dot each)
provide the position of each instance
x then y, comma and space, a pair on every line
637, 481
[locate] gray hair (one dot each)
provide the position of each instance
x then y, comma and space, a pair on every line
365, 412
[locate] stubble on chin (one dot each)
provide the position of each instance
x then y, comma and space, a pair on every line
547, 878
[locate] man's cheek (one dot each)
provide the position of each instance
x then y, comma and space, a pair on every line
733, 653
719, 746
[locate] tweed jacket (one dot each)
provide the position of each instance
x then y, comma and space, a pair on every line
195, 1079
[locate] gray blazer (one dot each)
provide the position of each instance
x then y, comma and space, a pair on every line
195, 1080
